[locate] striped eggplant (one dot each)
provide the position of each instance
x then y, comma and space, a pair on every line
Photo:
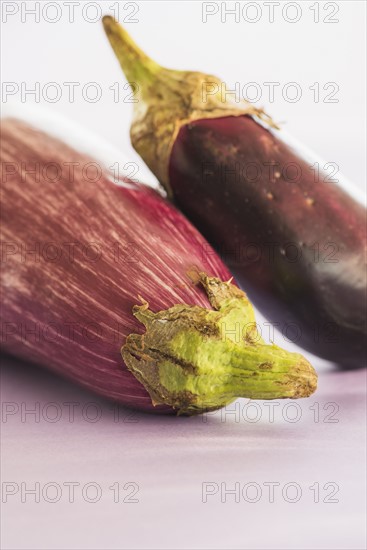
79, 251
295, 239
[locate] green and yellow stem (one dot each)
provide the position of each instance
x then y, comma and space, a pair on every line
196, 359
166, 100
137, 66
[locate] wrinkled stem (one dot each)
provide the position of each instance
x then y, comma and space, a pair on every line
166, 100
196, 359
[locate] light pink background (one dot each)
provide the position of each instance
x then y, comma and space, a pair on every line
170, 458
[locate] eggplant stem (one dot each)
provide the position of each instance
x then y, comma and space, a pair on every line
166, 100
196, 359
137, 66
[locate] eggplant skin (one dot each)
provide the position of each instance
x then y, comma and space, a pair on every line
76, 256
295, 241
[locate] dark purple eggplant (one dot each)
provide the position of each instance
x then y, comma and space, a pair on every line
77, 256
295, 240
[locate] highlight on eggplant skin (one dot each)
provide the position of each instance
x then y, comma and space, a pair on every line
77, 259
200, 150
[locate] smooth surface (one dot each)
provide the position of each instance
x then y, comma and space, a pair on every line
169, 461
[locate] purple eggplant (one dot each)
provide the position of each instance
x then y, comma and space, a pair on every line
81, 255
294, 239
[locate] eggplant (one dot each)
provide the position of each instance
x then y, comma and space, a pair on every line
79, 251
295, 239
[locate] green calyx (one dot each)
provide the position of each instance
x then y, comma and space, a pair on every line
196, 359
166, 99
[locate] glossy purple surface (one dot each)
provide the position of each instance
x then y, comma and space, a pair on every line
294, 238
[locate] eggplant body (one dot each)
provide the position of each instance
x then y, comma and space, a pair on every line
76, 255
295, 240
